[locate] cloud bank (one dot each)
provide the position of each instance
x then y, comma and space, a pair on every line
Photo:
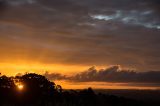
111, 74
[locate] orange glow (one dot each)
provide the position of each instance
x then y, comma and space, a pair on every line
12, 69
101, 85
20, 87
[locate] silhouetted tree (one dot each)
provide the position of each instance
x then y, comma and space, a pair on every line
37, 87
7, 88
39, 91
59, 88
6, 82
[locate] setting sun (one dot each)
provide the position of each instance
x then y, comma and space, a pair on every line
20, 87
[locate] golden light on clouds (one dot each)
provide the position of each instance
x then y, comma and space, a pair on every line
12, 69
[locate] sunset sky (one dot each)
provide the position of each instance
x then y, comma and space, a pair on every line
70, 36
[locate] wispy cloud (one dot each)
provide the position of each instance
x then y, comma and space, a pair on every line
132, 17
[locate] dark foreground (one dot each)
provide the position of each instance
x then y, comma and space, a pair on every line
38, 91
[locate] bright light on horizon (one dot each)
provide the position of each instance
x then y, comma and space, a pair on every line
13, 69
20, 87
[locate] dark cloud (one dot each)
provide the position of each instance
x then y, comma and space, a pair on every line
112, 74
82, 32
55, 76
2, 7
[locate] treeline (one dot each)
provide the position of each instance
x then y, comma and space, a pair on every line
39, 91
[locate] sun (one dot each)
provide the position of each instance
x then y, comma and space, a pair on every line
20, 87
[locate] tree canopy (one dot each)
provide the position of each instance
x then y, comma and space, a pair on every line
34, 89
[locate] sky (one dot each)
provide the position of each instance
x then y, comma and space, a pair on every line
70, 36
